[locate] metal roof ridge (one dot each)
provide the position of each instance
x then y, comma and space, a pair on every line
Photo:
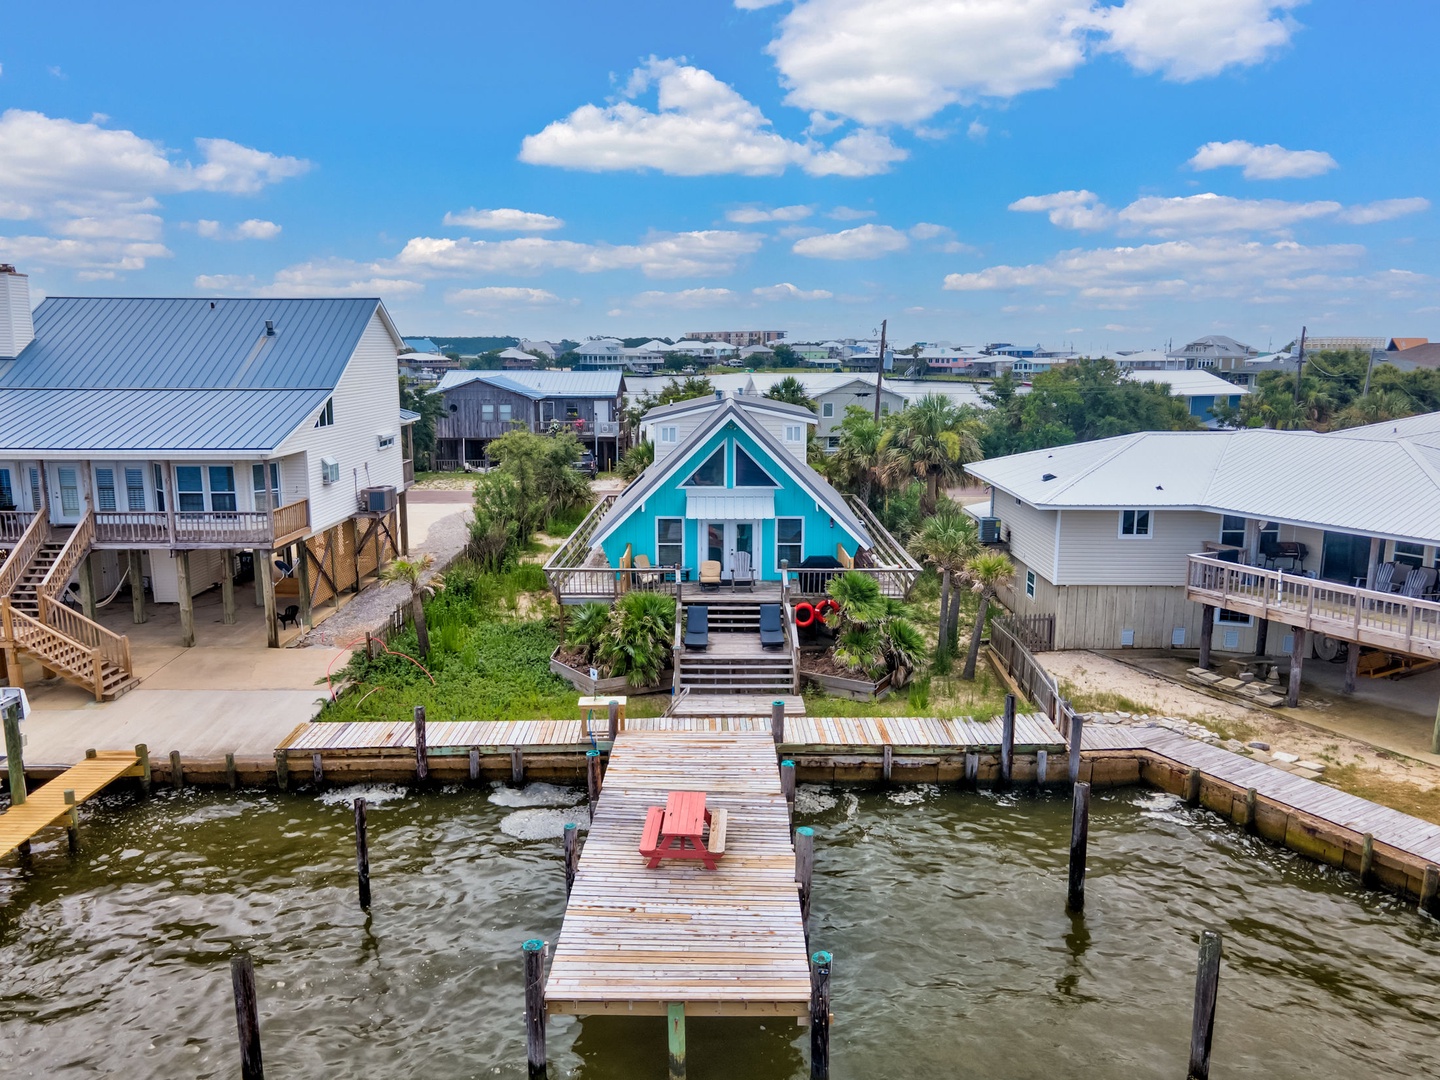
1130, 440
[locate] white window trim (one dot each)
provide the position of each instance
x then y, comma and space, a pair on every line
668, 433
735, 450
827, 409
669, 517
1030, 584
1149, 524
798, 436
797, 517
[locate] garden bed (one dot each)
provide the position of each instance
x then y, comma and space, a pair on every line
582, 681
819, 667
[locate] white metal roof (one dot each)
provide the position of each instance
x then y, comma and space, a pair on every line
1190, 383
1382, 480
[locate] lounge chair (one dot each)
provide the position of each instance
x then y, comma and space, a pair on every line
697, 627
1419, 583
642, 562
1384, 578
710, 574
740, 572
771, 634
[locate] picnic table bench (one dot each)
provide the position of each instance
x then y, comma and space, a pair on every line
677, 830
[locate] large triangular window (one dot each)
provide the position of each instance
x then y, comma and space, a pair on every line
710, 474
748, 473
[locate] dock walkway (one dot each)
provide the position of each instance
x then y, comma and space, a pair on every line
46, 805
723, 942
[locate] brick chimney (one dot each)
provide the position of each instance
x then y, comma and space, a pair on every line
17, 329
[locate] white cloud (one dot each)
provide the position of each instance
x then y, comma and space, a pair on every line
108, 255
700, 127
239, 170
1384, 210
926, 230
977, 131
257, 229
847, 213
334, 277
1069, 209
495, 295
503, 220
208, 228
1269, 162
755, 5
754, 215
684, 298
659, 255
861, 242
786, 291
902, 61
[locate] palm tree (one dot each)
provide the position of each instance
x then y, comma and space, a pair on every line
933, 441
636, 460
412, 572
858, 457
947, 540
790, 390
986, 572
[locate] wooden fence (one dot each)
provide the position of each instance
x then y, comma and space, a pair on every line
1037, 684
1036, 632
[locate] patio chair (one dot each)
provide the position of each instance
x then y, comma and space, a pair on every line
740, 572
710, 574
291, 615
1419, 583
1384, 578
697, 627
771, 634
642, 562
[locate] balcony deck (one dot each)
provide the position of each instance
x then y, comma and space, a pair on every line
190, 530
1379, 620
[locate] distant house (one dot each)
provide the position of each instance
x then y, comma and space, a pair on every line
1399, 344
164, 441
513, 359
1426, 355
1214, 352
756, 354
834, 393
547, 349
1200, 390
421, 345
597, 354
480, 406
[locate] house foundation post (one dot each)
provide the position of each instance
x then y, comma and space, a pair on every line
267, 592
302, 578
1207, 632
187, 602
137, 586
1298, 652
1373, 566
1352, 665
1262, 632
227, 586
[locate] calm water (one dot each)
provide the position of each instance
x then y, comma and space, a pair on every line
954, 957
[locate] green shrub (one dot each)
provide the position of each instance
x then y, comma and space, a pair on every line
640, 637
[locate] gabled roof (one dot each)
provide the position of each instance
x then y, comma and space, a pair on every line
1380, 480
732, 409
707, 401
1214, 345
1188, 383
1400, 344
541, 384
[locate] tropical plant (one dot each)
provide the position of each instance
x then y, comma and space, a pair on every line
872, 637
861, 648
932, 440
947, 540
586, 628
904, 646
856, 461
791, 391
636, 460
640, 637
859, 598
412, 572
986, 572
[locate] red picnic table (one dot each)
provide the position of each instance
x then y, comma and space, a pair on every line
678, 830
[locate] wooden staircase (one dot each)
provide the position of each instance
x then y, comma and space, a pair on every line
736, 664
34, 619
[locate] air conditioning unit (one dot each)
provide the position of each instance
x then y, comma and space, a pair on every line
989, 530
329, 470
377, 500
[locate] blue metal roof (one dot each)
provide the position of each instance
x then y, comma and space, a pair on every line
421, 344
118, 421
542, 384
84, 343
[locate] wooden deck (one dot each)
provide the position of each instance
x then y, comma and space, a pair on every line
727, 942
764, 592
1401, 832
46, 805
699, 704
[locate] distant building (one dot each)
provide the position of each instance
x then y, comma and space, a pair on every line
1214, 352
1426, 355
1344, 344
597, 354
757, 353
738, 338
513, 359
1201, 391
548, 349
483, 405
421, 344
1399, 344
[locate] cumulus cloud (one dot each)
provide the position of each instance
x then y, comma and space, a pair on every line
501, 295
250, 229
700, 127
926, 230
105, 255
334, 277
786, 291
1069, 209
683, 298
849, 213
1269, 162
1384, 210
977, 131
1203, 213
861, 242
503, 220
902, 61
754, 215
660, 255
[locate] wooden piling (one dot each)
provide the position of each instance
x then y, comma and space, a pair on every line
15, 753
1202, 1026
1076, 743
1042, 766
247, 1018
534, 951
422, 753
1252, 802
232, 777
572, 854
777, 721
804, 871
517, 766
1007, 742
592, 779
887, 762
317, 767
675, 1028
1430, 890
1367, 858
362, 855
1079, 843
820, 1016
282, 770
72, 821
614, 721
787, 784
972, 769
474, 763
177, 774
1192, 786
143, 753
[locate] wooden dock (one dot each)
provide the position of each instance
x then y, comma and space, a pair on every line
46, 805
695, 703
727, 942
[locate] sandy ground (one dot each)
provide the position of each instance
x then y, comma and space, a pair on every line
1097, 678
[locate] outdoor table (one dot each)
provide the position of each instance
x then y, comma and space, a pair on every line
678, 831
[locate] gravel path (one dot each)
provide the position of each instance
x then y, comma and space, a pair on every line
371, 609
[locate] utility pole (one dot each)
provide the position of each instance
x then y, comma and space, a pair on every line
1299, 364
880, 368
1370, 367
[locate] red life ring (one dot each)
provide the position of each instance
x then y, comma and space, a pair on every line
824, 607
804, 614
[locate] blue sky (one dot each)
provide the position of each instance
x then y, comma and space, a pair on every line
1112, 174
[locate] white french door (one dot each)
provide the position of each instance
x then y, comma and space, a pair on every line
720, 540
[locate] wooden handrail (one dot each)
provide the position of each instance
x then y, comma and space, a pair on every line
13, 524
35, 535
578, 542
293, 517
77, 546
69, 623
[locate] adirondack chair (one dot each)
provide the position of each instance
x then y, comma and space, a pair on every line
1419, 583
740, 572
1385, 577
697, 627
710, 574
771, 634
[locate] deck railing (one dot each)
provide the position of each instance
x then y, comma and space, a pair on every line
294, 518
200, 528
606, 583
77, 546
13, 524
1379, 619
140, 529
13, 568
1029, 674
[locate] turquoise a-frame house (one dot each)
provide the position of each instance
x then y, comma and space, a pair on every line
730, 485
